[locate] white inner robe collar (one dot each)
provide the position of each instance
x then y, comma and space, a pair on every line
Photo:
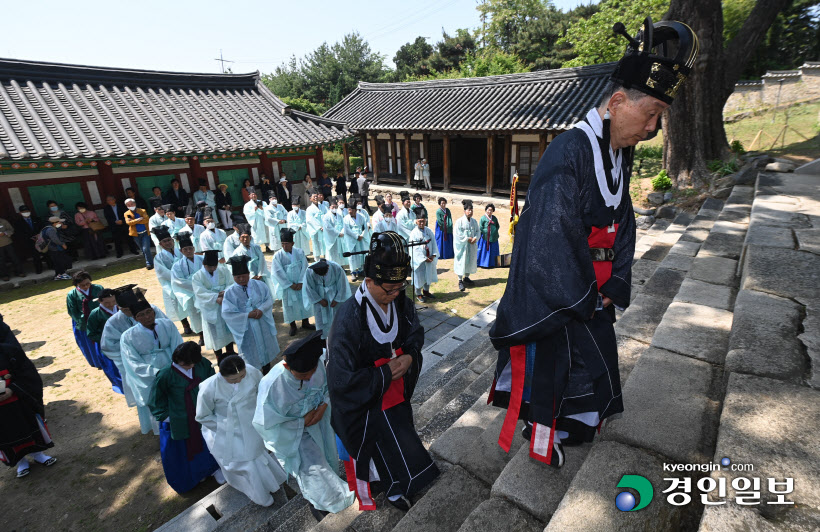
593, 127
387, 318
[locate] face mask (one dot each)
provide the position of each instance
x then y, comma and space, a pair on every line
58, 225
54, 208
25, 214
296, 208
81, 210
211, 226
359, 207
132, 208
274, 202
333, 211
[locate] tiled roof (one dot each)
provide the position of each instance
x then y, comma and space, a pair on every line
810, 64
57, 111
782, 74
535, 101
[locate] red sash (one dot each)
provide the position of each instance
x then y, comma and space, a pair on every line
395, 393
601, 237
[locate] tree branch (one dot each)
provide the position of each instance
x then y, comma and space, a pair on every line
743, 46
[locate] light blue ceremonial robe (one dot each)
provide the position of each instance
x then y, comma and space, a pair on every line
257, 266
333, 236
206, 287
207, 196
385, 225
298, 222
174, 225
181, 274
406, 222
332, 286
287, 269
308, 453
256, 219
194, 234
353, 229
231, 243
143, 355
466, 254
424, 273
155, 221
255, 339
213, 240
111, 347
163, 263
315, 230
276, 218
368, 232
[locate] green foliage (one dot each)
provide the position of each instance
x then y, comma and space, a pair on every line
305, 106
450, 51
737, 147
329, 73
355, 162
411, 57
333, 161
649, 152
485, 63
503, 20
592, 38
723, 168
661, 181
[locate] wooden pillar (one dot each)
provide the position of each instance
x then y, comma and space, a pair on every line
394, 155
446, 154
542, 144
507, 159
320, 161
426, 143
490, 163
407, 163
197, 173
346, 159
364, 150
266, 165
374, 155
108, 183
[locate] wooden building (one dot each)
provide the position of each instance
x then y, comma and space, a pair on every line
78, 133
476, 133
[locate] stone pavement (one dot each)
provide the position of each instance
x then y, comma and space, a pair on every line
719, 355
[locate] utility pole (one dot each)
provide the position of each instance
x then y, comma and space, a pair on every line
222, 61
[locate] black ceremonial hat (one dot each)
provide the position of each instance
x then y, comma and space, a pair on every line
239, 264
184, 239
211, 257
418, 210
658, 59
387, 260
161, 232
320, 267
286, 235
303, 355
242, 229
122, 294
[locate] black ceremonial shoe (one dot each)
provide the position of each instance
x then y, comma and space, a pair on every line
461, 285
469, 282
526, 432
557, 455
292, 329
402, 503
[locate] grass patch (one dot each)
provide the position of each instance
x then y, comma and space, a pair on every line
800, 141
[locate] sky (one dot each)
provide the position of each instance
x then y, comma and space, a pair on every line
187, 36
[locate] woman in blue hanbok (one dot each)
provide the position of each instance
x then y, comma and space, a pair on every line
444, 230
488, 241
80, 301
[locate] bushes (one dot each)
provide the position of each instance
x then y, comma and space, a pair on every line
737, 147
333, 161
723, 167
355, 162
649, 152
661, 181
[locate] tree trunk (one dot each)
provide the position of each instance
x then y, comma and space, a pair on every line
693, 127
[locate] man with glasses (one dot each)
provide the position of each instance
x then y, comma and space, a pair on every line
374, 352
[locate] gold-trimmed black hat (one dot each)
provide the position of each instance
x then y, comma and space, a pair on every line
658, 59
388, 260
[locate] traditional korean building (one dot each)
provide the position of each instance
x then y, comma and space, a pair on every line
77, 133
476, 133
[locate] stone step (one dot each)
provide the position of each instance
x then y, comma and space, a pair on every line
495, 513
446, 504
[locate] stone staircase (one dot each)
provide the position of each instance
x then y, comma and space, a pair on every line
698, 376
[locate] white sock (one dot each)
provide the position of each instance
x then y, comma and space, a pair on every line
394, 497
560, 435
40, 457
219, 476
22, 464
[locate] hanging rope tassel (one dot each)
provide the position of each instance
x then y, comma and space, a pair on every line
605, 131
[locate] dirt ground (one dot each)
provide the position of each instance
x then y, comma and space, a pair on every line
108, 475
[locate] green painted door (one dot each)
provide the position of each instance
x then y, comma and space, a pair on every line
146, 183
295, 170
234, 180
65, 194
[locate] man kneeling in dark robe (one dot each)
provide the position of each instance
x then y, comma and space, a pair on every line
374, 363
574, 244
